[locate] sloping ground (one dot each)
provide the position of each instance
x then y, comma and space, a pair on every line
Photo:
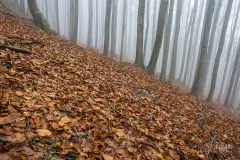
66, 102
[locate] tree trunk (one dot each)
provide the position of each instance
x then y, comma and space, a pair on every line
167, 36
57, 16
37, 16
123, 29
211, 41
140, 30
233, 76
158, 41
235, 87
107, 27
96, 8
185, 40
22, 7
191, 32
90, 23
220, 50
46, 8
201, 64
175, 41
154, 24
114, 30
147, 31
228, 57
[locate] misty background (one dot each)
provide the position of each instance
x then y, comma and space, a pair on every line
91, 31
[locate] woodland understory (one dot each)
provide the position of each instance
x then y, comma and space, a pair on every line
61, 101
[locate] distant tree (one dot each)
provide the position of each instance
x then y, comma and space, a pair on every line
46, 8
38, 18
212, 37
191, 44
205, 39
147, 30
22, 7
229, 49
57, 16
123, 29
233, 75
107, 27
185, 39
154, 24
90, 24
220, 50
235, 87
73, 20
114, 30
97, 6
167, 36
175, 41
158, 41
140, 30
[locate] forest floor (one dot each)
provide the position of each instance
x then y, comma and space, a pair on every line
66, 102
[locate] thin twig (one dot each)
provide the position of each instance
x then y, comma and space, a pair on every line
210, 146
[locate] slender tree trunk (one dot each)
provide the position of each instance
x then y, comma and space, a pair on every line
220, 50
140, 30
72, 12
228, 57
191, 32
201, 64
57, 16
75, 22
211, 41
90, 23
167, 36
97, 8
37, 16
114, 30
46, 8
233, 75
123, 29
154, 24
175, 41
185, 40
107, 27
158, 41
147, 31
235, 87
22, 7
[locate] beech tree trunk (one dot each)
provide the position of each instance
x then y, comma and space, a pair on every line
90, 23
140, 30
167, 36
114, 30
57, 16
201, 64
220, 50
38, 18
158, 41
107, 27
123, 29
175, 41
147, 31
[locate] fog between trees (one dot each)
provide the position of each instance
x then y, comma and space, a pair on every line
193, 42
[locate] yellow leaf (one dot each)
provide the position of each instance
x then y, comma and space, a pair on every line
3, 70
47, 99
160, 156
64, 120
107, 157
19, 93
44, 132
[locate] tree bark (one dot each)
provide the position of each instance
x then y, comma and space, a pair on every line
219, 51
107, 27
38, 18
90, 23
147, 31
175, 41
235, 87
140, 30
201, 64
233, 76
123, 29
57, 16
167, 36
158, 41
114, 30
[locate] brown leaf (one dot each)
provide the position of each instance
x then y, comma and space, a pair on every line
44, 132
107, 157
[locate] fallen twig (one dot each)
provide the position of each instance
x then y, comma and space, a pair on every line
210, 146
19, 50
30, 42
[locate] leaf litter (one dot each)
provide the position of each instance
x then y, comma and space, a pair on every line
65, 102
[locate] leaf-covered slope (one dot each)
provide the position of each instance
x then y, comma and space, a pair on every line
67, 102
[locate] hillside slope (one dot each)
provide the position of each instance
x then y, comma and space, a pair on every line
66, 102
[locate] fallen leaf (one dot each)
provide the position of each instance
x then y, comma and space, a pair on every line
107, 157
44, 132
